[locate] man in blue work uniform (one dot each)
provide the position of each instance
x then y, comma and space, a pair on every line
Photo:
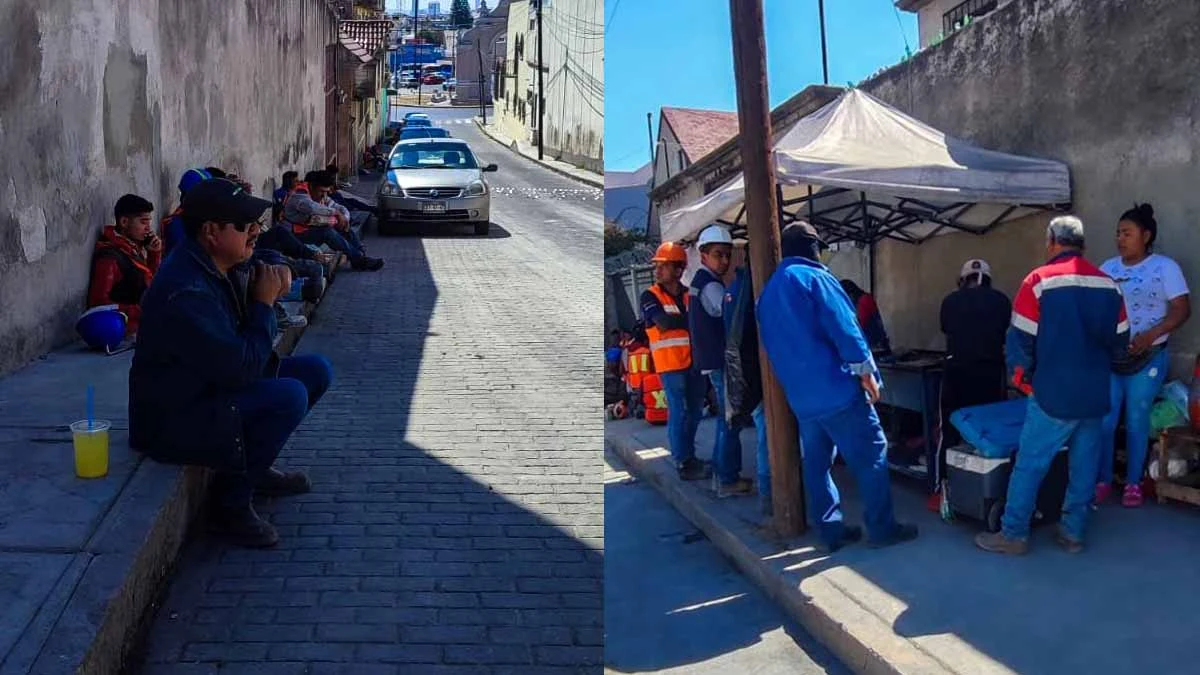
811, 336
707, 331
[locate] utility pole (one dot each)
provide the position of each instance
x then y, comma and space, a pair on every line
650, 134
479, 53
541, 85
416, 62
762, 223
824, 59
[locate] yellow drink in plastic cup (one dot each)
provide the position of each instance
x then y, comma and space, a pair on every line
91, 448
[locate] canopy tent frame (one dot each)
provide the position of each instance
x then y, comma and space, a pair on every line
862, 226
865, 229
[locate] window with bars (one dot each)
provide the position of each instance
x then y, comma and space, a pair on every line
960, 14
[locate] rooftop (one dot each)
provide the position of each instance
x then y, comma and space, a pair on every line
700, 131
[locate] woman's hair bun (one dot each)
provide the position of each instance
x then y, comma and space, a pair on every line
1146, 210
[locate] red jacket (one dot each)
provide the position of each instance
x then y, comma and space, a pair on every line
121, 272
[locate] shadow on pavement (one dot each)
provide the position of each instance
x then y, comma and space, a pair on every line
661, 614
446, 523
449, 231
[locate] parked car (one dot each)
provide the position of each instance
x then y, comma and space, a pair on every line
424, 132
433, 78
418, 122
433, 181
416, 115
452, 83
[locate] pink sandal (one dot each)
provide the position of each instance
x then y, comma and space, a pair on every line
1103, 491
1132, 497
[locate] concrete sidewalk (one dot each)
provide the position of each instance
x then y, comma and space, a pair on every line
530, 152
82, 560
938, 605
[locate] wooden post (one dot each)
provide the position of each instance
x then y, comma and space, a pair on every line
762, 223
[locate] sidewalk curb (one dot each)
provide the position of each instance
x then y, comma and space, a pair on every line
562, 172
863, 641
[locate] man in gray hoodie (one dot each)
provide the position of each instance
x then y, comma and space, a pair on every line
316, 220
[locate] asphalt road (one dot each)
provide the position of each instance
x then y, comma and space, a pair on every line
673, 604
456, 520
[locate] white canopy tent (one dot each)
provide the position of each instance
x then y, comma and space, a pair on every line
860, 170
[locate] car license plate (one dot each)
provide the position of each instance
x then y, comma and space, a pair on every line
434, 207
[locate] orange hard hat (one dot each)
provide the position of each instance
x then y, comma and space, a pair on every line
669, 251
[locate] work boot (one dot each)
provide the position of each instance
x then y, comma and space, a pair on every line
996, 542
693, 469
850, 535
278, 483
366, 263
900, 534
243, 526
1066, 541
737, 488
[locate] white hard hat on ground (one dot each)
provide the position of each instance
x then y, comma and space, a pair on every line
714, 234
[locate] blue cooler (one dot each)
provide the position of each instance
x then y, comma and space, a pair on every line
977, 471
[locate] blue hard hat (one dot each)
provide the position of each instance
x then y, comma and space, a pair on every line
101, 327
190, 178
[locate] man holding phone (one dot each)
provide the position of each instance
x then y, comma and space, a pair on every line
127, 256
206, 387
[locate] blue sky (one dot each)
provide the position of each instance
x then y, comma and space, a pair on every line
678, 53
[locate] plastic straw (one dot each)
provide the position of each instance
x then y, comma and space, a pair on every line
91, 407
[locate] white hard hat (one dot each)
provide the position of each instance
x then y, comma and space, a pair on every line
714, 234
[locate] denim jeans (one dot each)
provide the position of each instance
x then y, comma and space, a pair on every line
1042, 437
685, 390
1137, 392
346, 242
727, 451
763, 455
855, 432
271, 409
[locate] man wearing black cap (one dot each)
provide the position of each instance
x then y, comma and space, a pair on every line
811, 335
206, 387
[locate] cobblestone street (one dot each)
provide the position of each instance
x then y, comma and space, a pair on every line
455, 524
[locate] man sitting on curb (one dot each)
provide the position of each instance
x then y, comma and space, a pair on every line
206, 387
316, 222
127, 256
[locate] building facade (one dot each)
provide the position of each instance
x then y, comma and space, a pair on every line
572, 72
938, 18
480, 54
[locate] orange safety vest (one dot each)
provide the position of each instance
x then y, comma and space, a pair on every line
300, 228
672, 349
654, 397
639, 366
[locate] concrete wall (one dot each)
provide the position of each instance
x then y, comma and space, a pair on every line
1107, 86
573, 51
103, 97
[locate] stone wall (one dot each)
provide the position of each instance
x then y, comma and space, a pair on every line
103, 97
1108, 86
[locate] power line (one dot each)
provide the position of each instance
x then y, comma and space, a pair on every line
611, 17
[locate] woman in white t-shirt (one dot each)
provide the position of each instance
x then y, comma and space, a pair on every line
1156, 300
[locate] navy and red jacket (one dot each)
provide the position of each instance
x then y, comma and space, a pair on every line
1068, 326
